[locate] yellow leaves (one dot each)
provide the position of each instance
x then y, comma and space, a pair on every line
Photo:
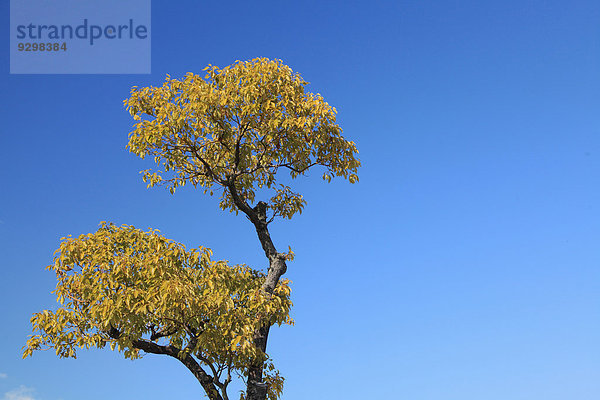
273, 380
290, 254
141, 283
236, 341
248, 121
285, 203
229, 303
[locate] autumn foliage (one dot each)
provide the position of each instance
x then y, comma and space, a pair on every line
240, 124
232, 132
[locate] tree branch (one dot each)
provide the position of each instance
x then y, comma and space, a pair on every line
160, 334
192, 365
212, 175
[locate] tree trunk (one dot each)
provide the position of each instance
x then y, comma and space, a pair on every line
256, 388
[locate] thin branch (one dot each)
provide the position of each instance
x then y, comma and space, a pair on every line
299, 171
211, 366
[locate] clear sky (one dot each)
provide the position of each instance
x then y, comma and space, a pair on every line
463, 265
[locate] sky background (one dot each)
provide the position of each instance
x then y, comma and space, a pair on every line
463, 265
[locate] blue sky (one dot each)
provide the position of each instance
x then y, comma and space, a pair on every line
464, 265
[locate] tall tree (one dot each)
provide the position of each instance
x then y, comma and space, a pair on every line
233, 133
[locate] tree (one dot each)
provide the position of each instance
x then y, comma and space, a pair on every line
232, 132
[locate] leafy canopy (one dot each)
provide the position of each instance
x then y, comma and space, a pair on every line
236, 128
152, 290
